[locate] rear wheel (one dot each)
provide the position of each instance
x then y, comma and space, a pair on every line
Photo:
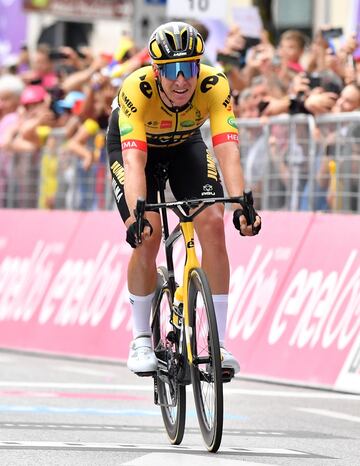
206, 373
171, 394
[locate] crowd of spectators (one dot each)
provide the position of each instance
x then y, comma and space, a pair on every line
72, 90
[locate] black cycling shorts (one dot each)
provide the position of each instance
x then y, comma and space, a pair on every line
191, 168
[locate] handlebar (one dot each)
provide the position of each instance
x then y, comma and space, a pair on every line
181, 208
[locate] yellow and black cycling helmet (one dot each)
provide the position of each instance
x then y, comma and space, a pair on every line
175, 41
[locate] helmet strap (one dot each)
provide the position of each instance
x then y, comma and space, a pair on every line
159, 85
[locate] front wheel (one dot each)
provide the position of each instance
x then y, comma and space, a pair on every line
206, 366
172, 394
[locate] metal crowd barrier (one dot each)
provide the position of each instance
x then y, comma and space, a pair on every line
290, 162
300, 162
54, 178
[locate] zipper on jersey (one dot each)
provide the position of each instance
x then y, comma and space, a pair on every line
175, 129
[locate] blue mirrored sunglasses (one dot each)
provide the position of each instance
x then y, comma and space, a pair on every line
189, 69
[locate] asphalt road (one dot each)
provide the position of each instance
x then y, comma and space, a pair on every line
58, 411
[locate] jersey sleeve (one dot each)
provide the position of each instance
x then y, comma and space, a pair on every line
222, 120
132, 103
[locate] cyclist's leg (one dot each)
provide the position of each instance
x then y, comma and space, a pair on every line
142, 268
193, 174
142, 275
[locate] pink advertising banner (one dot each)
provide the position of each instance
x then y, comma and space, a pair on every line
294, 299
302, 316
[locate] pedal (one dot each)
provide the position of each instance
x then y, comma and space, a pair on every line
156, 391
145, 374
227, 374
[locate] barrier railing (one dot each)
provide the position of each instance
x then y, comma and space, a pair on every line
300, 162
290, 162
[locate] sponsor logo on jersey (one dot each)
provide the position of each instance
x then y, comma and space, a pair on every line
208, 190
232, 122
127, 102
118, 172
187, 123
168, 138
224, 137
152, 124
145, 87
226, 102
125, 128
165, 124
133, 144
198, 115
117, 191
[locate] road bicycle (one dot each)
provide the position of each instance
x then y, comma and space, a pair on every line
184, 328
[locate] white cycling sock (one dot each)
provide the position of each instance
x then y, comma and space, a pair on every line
141, 309
221, 307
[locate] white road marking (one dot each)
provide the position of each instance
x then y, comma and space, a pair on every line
333, 414
85, 371
19, 444
148, 387
5, 358
186, 459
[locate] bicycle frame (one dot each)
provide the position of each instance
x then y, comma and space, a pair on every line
191, 262
185, 228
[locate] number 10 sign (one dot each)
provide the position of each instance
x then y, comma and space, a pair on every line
197, 9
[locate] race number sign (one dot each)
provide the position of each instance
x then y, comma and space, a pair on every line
197, 9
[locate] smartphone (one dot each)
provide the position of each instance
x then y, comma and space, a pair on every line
332, 33
230, 59
262, 105
251, 42
57, 55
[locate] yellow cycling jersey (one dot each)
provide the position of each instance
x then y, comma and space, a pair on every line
144, 119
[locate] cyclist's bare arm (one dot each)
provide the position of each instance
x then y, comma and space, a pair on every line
135, 181
228, 156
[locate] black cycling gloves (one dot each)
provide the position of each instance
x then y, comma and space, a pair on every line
247, 209
131, 233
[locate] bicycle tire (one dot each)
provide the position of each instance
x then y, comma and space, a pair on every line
206, 375
172, 394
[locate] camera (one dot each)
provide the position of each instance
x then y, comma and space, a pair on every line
314, 80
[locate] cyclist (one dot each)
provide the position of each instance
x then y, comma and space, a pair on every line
159, 111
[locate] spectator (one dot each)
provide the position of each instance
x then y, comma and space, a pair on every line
291, 49
11, 88
344, 150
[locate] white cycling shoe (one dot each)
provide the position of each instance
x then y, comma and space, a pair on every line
141, 356
228, 360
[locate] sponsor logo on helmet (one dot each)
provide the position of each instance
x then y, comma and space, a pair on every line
179, 54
